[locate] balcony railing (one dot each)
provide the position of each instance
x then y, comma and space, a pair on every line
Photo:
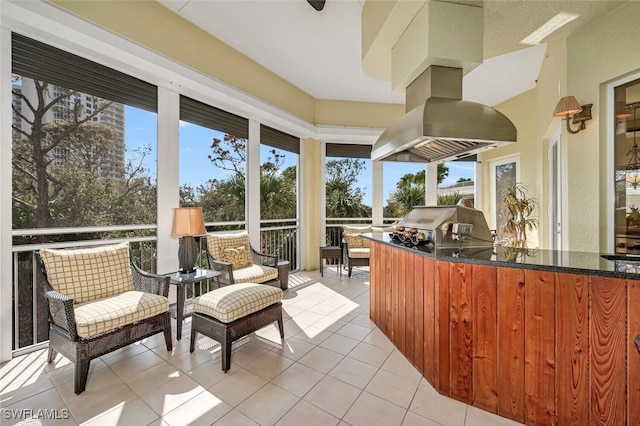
281, 237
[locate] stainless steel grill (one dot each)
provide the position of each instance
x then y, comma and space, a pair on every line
444, 226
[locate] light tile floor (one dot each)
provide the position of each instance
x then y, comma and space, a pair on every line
335, 367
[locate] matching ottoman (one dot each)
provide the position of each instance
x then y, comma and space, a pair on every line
231, 312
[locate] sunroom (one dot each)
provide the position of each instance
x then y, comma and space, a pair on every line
188, 120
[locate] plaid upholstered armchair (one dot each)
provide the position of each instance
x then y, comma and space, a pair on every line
99, 301
356, 248
232, 255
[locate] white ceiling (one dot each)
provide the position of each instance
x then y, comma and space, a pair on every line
320, 52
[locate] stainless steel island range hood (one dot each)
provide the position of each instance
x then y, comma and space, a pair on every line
439, 125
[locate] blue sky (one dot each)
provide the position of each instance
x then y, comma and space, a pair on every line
195, 167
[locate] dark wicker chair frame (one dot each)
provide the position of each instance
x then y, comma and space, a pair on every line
227, 333
226, 270
350, 262
63, 335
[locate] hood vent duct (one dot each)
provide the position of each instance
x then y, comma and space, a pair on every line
439, 125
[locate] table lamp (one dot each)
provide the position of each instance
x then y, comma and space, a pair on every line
187, 222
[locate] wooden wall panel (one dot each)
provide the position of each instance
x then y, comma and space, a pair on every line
442, 290
572, 349
510, 285
633, 356
400, 313
539, 347
374, 278
461, 332
419, 310
485, 338
381, 293
395, 282
430, 322
406, 315
608, 351
388, 288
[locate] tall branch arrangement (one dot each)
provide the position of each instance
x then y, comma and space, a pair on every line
515, 209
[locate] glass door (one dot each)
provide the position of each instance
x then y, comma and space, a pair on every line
627, 168
504, 173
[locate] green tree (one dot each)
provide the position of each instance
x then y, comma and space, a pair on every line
68, 172
36, 186
343, 197
411, 192
224, 199
443, 172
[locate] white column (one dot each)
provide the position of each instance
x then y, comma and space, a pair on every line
323, 192
6, 257
300, 196
431, 184
377, 192
252, 201
168, 176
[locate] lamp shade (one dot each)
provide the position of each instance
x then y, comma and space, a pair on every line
567, 106
187, 221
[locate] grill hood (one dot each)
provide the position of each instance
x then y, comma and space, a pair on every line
439, 125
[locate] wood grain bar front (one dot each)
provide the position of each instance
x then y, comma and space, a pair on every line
608, 351
572, 341
541, 347
511, 340
633, 353
485, 338
460, 332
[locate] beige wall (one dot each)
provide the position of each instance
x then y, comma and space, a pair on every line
603, 51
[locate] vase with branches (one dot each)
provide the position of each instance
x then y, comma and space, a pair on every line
515, 210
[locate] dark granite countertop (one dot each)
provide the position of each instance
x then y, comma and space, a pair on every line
547, 260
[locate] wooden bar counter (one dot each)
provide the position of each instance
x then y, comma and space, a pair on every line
545, 339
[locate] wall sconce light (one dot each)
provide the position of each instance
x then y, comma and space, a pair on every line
570, 106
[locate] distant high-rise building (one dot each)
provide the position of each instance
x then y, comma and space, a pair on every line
113, 115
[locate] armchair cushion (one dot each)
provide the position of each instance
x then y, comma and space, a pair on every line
109, 313
255, 274
359, 253
89, 274
232, 302
217, 243
238, 257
